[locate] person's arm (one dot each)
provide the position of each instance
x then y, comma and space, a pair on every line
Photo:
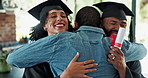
128, 73
135, 69
74, 69
32, 54
133, 51
78, 69
126, 70
118, 61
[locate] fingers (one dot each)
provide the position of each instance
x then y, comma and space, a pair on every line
90, 65
89, 70
117, 50
75, 58
113, 53
88, 62
110, 59
85, 76
85, 62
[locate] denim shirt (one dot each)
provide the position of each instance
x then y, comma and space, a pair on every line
59, 49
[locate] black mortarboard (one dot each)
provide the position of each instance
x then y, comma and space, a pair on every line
40, 10
113, 9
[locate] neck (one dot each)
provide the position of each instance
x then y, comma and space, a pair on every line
49, 34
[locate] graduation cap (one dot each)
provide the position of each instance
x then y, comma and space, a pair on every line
113, 9
40, 10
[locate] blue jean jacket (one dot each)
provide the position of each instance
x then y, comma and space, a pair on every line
59, 49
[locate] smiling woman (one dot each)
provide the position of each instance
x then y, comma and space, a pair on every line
23, 25
56, 22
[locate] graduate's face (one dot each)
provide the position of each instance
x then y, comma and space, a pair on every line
56, 22
111, 25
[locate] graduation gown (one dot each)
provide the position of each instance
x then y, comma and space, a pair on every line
42, 70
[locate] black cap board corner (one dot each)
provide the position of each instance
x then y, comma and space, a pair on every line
114, 9
36, 11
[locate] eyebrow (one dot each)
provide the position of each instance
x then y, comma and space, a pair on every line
117, 21
56, 12
113, 21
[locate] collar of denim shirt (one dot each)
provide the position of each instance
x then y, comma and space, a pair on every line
90, 28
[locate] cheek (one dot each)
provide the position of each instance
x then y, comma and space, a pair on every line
50, 24
66, 23
107, 27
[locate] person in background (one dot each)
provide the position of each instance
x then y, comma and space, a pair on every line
113, 17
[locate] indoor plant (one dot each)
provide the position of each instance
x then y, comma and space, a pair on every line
4, 66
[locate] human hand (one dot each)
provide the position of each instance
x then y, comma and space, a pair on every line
78, 69
118, 60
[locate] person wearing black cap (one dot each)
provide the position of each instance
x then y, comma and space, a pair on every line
40, 12
115, 11
113, 17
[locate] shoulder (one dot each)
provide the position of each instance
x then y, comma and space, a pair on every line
65, 34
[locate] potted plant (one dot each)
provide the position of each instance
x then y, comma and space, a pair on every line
4, 66
23, 39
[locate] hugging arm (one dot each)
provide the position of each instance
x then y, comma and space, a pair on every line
134, 67
74, 69
130, 69
133, 51
31, 54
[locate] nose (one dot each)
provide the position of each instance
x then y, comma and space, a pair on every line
59, 18
116, 27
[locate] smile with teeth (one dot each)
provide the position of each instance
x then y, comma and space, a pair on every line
60, 25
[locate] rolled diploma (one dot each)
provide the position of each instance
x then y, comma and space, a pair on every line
120, 37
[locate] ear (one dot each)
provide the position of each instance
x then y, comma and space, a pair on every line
45, 28
76, 25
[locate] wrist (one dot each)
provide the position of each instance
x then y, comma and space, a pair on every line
122, 72
64, 74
